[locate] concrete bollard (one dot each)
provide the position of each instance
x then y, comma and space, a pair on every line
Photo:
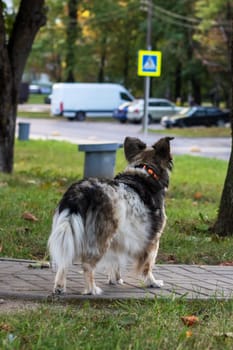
24, 130
99, 159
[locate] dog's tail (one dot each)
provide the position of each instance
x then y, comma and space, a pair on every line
66, 240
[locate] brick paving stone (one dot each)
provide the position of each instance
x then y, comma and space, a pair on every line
17, 280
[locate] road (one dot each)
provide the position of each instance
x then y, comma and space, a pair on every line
103, 132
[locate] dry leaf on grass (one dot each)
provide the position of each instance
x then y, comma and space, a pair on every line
29, 216
5, 327
188, 334
197, 195
190, 320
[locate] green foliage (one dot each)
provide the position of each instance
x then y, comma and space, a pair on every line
110, 33
214, 37
216, 8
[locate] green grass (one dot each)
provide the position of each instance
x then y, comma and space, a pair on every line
43, 170
40, 115
195, 132
120, 325
192, 204
36, 99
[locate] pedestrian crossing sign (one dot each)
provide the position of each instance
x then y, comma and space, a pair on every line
149, 63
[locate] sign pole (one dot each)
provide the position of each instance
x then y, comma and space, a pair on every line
147, 79
146, 98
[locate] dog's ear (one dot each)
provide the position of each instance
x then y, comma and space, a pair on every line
162, 147
132, 147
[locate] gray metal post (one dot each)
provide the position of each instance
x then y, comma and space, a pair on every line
147, 79
146, 98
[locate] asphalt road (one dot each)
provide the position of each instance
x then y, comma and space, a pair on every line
104, 132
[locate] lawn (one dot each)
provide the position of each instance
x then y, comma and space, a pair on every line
130, 325
194, 131
43, 170
36, 98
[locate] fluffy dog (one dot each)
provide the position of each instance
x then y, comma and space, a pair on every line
114, 220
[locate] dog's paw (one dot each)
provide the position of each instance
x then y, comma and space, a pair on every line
114, 282
155, 284
94, 291
58, 290
120, 281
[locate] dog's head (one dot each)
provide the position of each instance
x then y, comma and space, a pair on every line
158, 156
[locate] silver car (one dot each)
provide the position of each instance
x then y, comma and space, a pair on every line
157, 108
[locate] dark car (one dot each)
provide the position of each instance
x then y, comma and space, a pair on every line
120, 113
197, 116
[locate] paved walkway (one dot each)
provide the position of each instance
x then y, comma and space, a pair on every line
20, 281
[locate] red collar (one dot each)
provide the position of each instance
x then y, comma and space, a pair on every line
149, 171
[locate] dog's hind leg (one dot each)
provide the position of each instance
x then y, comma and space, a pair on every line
147, 267
90, 286
60, 281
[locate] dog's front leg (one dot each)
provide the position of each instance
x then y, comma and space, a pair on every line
90, 286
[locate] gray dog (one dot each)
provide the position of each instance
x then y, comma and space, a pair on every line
114, 221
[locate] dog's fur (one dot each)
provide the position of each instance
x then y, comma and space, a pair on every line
114, 221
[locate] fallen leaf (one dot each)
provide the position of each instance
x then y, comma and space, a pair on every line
55, 133
197, 195
29, 216
227, 263
190, 320
5, 327
195, 149
189, 334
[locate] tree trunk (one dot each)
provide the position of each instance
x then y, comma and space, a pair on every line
13, 57
71, 39
7, 114
178, 81
224, 223
196, 88
102, 60
126, 68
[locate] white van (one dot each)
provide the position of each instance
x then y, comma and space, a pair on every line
81, 100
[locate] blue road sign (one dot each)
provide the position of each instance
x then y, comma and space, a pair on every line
149, 63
